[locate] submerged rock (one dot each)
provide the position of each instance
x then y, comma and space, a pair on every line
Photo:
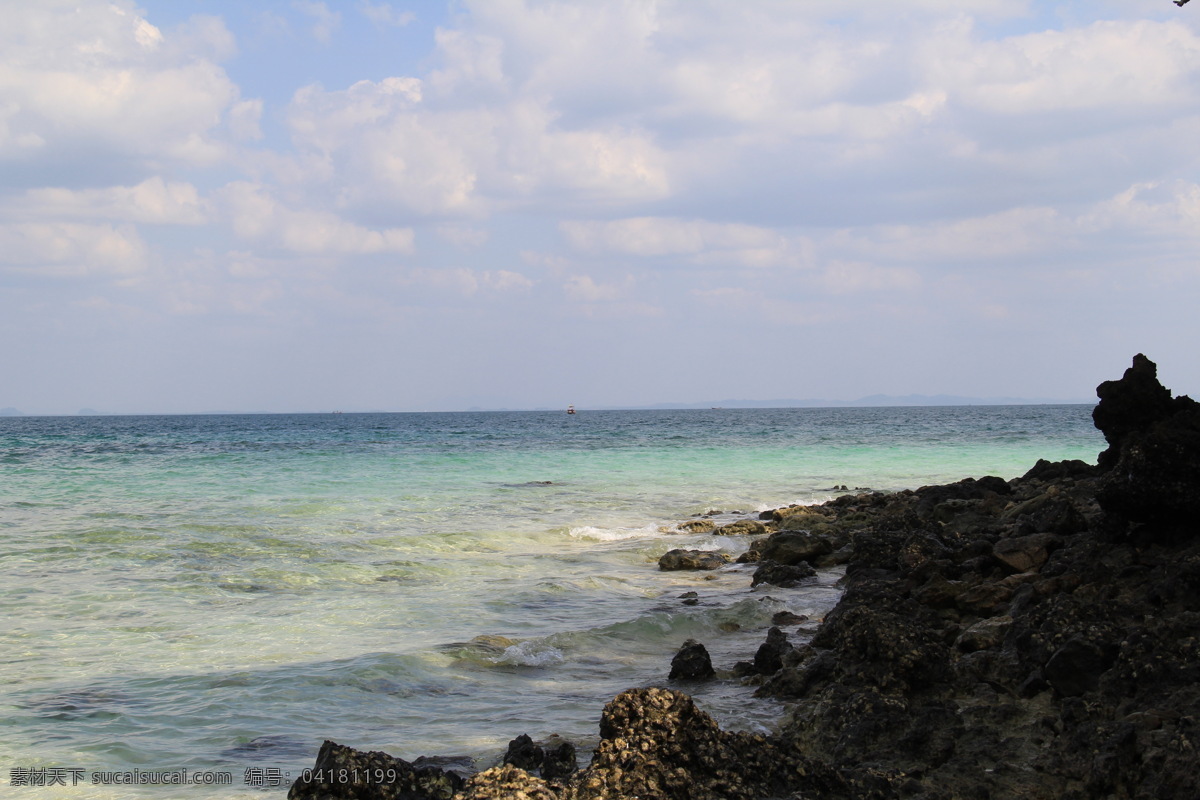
271, 746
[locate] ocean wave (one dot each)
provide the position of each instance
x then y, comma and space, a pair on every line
613, 534
530, 653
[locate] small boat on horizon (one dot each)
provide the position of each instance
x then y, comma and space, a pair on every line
570, 409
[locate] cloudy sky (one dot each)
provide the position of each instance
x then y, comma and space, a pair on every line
295, 205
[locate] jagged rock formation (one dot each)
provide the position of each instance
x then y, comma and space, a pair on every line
1027, 644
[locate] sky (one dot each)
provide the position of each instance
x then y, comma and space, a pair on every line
294, 205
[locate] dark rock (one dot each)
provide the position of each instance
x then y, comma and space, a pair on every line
788, 618
794, 510
692, 663
769, 657
984, 635
1130, 405
656, 745
794, 547
552, 759
560, 760
842, 555
411, 782
742, 527
967, 489
992, 483
1045, 470
680, 559
940, 593
698, 526
1152, 463
1024, 553
1156, 477
798, 517
1033, 685
523, 753
1075, 668
784, 575
889, 650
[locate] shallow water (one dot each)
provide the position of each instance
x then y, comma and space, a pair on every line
222, 593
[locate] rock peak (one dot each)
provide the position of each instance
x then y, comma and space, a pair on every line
1130, 405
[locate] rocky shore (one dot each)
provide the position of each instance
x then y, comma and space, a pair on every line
1036, 637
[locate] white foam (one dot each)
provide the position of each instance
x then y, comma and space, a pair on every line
530, 653
613, 534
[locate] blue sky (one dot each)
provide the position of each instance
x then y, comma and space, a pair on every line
304, 206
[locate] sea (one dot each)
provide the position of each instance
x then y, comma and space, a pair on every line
196, 603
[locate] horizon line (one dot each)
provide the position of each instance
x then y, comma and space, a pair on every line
870, 401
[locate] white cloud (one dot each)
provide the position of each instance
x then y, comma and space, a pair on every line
584, 289
1150, 209
850, 278
1107, 65
100, 79
244, 118
152, 201
463, 235
607, 300
818, 167
325, 22
1006, 235
201, 36
256, 215
696, 241
770, 308
325, 120
465, 282
384, 14
470, 62
506, 281
657, 236
380, 143
72, 249
1147, 213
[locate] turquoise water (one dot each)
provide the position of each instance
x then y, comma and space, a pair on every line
222, 593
